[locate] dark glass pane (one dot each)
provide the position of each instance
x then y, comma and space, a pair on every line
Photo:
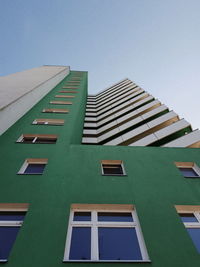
112, 169
7, 239
118, 244
195, 235
12, 216
188, 172
28, 140
115, 217
45, 141
35, 168
82, 216
185, 217
80, 248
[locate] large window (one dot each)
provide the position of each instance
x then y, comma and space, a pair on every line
33, 166
11, 219
188, 169
190, 216
104, 233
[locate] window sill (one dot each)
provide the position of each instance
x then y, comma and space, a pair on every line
19, 173
34, 143
114, 174
131, 261
192, 177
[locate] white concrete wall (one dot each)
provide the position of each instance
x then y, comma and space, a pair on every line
19, 92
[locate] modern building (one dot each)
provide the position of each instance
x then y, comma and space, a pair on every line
111, 179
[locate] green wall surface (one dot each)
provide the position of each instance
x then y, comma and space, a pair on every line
153, 185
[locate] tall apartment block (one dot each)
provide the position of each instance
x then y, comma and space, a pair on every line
109, 179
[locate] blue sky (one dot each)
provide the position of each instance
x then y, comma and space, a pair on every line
156, 43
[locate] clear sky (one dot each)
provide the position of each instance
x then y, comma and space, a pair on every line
156, 43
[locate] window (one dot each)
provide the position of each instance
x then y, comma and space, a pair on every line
104, 233
70, 87
188, 169
65, 91
54, 110
112, 167
61, 102
48, 122
33, 166
190, 216
65, 96
11, 219
72, 83
37, 139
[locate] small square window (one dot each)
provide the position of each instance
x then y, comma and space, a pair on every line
112, 167
188, 169
104, 232
33, 166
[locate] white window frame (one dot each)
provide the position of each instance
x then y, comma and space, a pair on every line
25, 165
21, 139
192, 224
195, 168
94, 224
188, 165
35, 122
10, 224
48, 123
122, 165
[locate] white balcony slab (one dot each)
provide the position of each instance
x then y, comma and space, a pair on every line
162, 119
175, 127
130, 123
149, 105
154, 112
107, 126
135, 132
90, 118
147, 140
108, 134
91, 140
186, 140
114, 142
89, 131
92, 125
106, 120
88, 114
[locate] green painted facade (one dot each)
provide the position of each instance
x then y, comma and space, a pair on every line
73, 175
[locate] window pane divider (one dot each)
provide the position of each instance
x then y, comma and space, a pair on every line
11, 223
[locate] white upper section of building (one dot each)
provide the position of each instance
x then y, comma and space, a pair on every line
20, 91
124, 114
